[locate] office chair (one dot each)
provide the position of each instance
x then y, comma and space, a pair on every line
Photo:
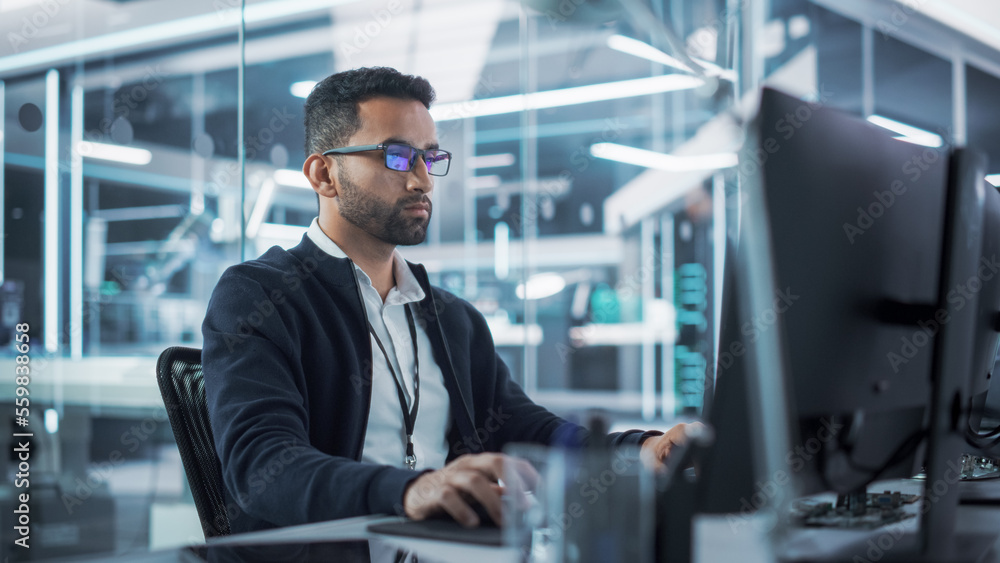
179, 375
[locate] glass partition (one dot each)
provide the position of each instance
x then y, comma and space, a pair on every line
122, 192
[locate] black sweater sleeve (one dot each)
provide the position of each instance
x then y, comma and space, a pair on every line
254, 386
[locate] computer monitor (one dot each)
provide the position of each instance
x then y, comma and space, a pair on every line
855, 225
840, 352
987, 336
856, 221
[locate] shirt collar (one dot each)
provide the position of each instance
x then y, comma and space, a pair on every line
406, 283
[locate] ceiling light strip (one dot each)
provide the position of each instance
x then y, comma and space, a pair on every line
114, 153
660, 161
565, 96
907, 133
279, 232
291, 178
260, 208
646, 51
151, 34
490, 160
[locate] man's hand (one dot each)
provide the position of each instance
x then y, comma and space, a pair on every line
471, 478
656, 450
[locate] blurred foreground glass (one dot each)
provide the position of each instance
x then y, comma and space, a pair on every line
578, 505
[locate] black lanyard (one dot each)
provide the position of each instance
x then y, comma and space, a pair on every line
409, 417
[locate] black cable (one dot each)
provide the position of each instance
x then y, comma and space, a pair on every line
981, 434
985, 411
978, 438
901, 452
972, 435
974, 441
905, 449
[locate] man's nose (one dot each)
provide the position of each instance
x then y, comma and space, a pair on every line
419, 178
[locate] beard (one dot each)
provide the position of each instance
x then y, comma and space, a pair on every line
383, 220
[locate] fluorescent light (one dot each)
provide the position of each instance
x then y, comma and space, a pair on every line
486, 182
506, 334
650, 53
907, 133
490, 160
501, 250
540, 286
646, 51
260, 208
713, 69
129, 40
116, 153
660, 161
566, 96
51, 421
798, 26
302, 89
291, 178
51, 272
276, 231
994, 179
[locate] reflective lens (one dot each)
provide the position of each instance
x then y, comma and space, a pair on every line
399, 157
437, 161
402, 158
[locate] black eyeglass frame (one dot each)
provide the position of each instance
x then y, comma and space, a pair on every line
385, 154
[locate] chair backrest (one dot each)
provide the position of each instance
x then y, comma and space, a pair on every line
179, 375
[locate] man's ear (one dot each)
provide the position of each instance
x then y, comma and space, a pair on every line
322, 174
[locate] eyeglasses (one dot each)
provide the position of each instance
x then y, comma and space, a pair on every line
402, 157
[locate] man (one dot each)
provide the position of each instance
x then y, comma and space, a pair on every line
339, 381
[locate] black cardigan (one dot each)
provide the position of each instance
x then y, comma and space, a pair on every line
287, 363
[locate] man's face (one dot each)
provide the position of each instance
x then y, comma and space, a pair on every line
390, 205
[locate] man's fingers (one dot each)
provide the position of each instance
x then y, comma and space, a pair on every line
464, 482
487, 494
453, 503
489, 464
493, 466
468, 480
472, 488
662, 447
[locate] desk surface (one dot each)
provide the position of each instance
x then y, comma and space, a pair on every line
383, 548
716, 538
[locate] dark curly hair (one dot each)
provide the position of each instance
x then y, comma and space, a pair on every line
331, 110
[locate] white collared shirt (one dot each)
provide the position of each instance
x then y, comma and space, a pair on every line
385, 438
